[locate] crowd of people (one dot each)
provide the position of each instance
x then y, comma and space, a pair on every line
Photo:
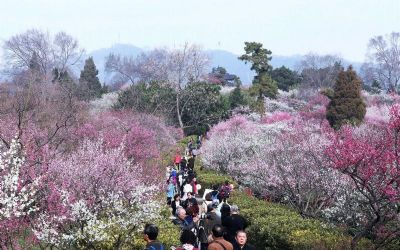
207, 222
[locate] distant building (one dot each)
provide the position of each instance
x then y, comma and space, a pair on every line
219, 76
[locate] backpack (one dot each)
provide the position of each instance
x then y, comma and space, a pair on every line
215, 196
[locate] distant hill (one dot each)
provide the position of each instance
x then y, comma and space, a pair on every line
100, 55
221, 58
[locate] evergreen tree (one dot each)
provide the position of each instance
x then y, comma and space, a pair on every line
376, 87
89, 84
285, 78
64, 79
346, 105
236, 97
263, 85
258, 57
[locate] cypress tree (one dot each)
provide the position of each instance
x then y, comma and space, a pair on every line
346, 106
90, 86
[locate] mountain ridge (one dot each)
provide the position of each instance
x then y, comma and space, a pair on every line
218, 57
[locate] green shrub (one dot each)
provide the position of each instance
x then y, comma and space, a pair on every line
169, 233
275, 226
183, 143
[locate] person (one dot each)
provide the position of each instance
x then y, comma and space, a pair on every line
168, 170
194, 186
218, 242
180, 182
177, 159
183, 220
241, 241
198, 142
188, 241
170, 190
193, 208
150, 234
183, 164
225, 191
176, 203
190, 145
212, 219
195, 152
189, 199
214, 194
225, 211
190, 163
234, 223
187, 188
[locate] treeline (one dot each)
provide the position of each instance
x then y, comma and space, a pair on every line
178, 85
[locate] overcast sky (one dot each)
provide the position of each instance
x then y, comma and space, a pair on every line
286, 27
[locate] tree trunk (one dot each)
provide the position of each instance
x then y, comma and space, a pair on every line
178, 111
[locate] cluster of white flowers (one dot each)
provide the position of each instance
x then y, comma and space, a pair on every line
100, 222
346, 208
104, 103
15, 200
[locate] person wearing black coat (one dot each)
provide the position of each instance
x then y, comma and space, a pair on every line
234, 223
176, 203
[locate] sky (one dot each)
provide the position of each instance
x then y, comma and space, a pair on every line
286, 27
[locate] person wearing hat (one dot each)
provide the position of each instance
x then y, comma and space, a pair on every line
211, 219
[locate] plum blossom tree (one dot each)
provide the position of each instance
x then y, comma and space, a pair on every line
100, 198
369, 155
18, 195
282, 159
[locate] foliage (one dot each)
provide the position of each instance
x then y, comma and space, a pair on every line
376, 87
89, 84
200, 104
263, 85
258, 57
201, 107
274, 226
346, 105
236, 98
169, 233
285, 78
153, 98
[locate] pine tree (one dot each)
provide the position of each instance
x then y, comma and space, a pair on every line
90, 86
346, 105
263, 85
376, 87
236, 97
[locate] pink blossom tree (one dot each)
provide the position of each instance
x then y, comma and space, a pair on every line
98, 199
283, 160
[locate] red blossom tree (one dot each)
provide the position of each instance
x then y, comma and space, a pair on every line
370, 156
